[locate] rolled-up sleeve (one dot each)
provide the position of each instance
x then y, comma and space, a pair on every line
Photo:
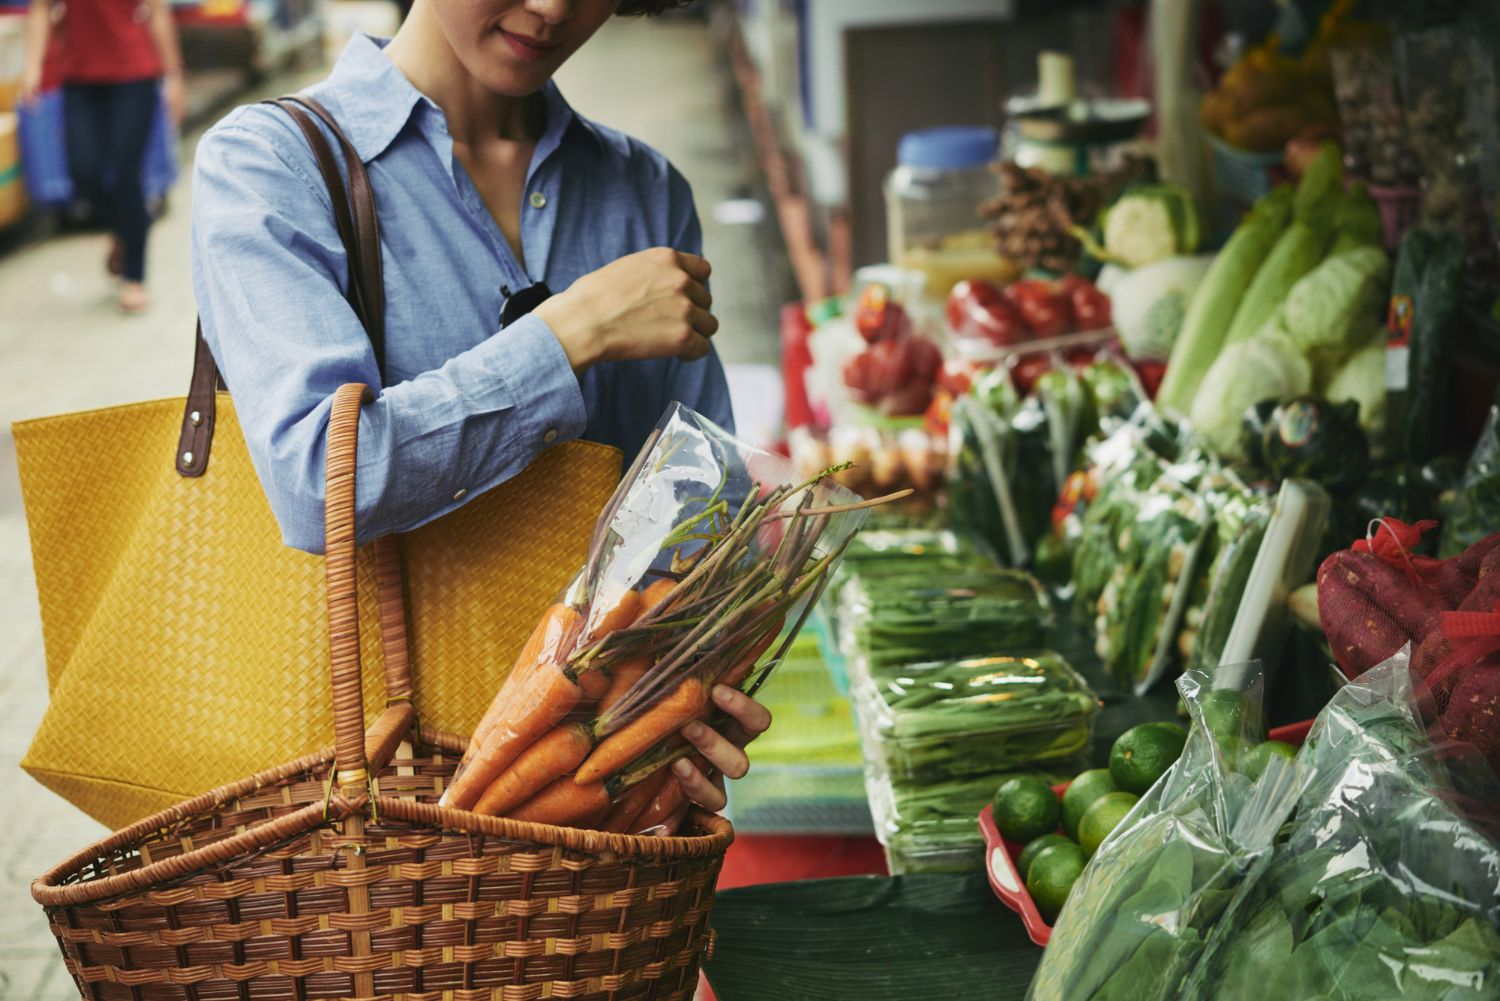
270, 276
699, 384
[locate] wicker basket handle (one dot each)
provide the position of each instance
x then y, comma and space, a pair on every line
351, 769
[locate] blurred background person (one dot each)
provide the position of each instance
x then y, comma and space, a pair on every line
121, 60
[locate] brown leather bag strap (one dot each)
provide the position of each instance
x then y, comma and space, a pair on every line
356, 221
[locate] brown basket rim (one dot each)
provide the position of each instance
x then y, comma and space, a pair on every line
50, 890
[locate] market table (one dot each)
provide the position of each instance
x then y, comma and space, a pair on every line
869, 937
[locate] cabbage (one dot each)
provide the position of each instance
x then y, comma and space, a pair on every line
1362, 379
1332, 307
1269, 366
1149, 303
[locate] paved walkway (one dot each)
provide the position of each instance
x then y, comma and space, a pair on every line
64, 347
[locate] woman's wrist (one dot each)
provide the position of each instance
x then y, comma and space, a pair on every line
573, 330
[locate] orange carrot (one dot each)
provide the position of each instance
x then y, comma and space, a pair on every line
594, 684
688, 701
553, 632
737, 672
622, 678
621, 819
547, 697
622, 615
668, 801
563, 802
655, 592
554, 755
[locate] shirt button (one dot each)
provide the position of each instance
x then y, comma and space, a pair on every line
549, 437
538, 200
460, 494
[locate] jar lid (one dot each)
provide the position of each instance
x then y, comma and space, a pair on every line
949, 147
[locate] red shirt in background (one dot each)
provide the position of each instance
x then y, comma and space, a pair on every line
108, 41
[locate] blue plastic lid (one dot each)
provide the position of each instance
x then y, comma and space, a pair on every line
949, 147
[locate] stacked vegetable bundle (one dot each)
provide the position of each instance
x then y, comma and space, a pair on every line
701, 571
953, 691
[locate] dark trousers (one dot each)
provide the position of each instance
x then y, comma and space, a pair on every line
107, 125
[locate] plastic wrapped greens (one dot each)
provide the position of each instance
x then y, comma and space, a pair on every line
929, 827
903, 617
1386, 884
1136, 921
945, 720
1152, 574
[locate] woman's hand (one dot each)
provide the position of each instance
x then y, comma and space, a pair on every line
651, 304
174, 93
724, 749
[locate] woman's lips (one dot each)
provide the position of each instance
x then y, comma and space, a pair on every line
529, 49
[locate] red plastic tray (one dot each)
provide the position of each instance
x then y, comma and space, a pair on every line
1000, 855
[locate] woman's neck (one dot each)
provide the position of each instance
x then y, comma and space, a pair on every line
476, 115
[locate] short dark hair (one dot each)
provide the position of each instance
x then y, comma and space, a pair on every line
635, 8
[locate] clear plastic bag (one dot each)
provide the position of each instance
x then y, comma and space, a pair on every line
701, 570
1387, 883
1135, 922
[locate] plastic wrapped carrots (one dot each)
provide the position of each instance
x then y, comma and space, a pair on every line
703, 567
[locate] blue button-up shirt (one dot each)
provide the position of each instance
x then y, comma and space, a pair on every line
466, 405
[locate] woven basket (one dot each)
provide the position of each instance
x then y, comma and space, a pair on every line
337, 875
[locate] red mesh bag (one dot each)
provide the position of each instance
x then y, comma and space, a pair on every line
1378, 596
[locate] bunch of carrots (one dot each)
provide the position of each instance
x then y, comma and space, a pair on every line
585, 727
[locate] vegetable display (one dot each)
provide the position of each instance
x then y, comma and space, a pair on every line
1383, 886
1213, 305
1136, 921
1032, 220
1150, 303
701, 571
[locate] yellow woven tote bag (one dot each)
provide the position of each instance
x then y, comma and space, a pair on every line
186, 646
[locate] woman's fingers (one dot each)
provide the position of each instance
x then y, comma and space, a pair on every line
698, 788
704, 322
721, 753
696, 267
751, 715
699, 295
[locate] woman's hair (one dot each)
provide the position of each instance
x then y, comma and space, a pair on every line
634, 8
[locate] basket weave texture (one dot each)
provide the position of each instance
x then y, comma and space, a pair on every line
337, 875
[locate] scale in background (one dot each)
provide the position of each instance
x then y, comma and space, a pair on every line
1060, 132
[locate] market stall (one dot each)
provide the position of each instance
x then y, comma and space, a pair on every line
1197, 565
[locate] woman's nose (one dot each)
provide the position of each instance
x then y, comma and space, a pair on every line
551, 11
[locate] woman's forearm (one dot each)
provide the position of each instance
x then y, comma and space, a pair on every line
38, 33
164, 33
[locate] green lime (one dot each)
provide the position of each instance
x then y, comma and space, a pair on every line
1101, 818
1143, 754
1222, 711
1034, 848
1081, 795
1254, 761
1025, 809
1053, 873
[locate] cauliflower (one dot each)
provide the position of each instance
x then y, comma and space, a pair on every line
1150, 223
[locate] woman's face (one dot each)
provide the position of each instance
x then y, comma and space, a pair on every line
514, 46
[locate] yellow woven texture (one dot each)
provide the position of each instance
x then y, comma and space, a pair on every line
187, 647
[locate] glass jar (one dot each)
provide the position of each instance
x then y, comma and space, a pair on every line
932, 202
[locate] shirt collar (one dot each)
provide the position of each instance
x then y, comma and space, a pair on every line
376, 101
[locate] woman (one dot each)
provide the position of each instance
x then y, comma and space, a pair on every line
119, 57
490, 191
